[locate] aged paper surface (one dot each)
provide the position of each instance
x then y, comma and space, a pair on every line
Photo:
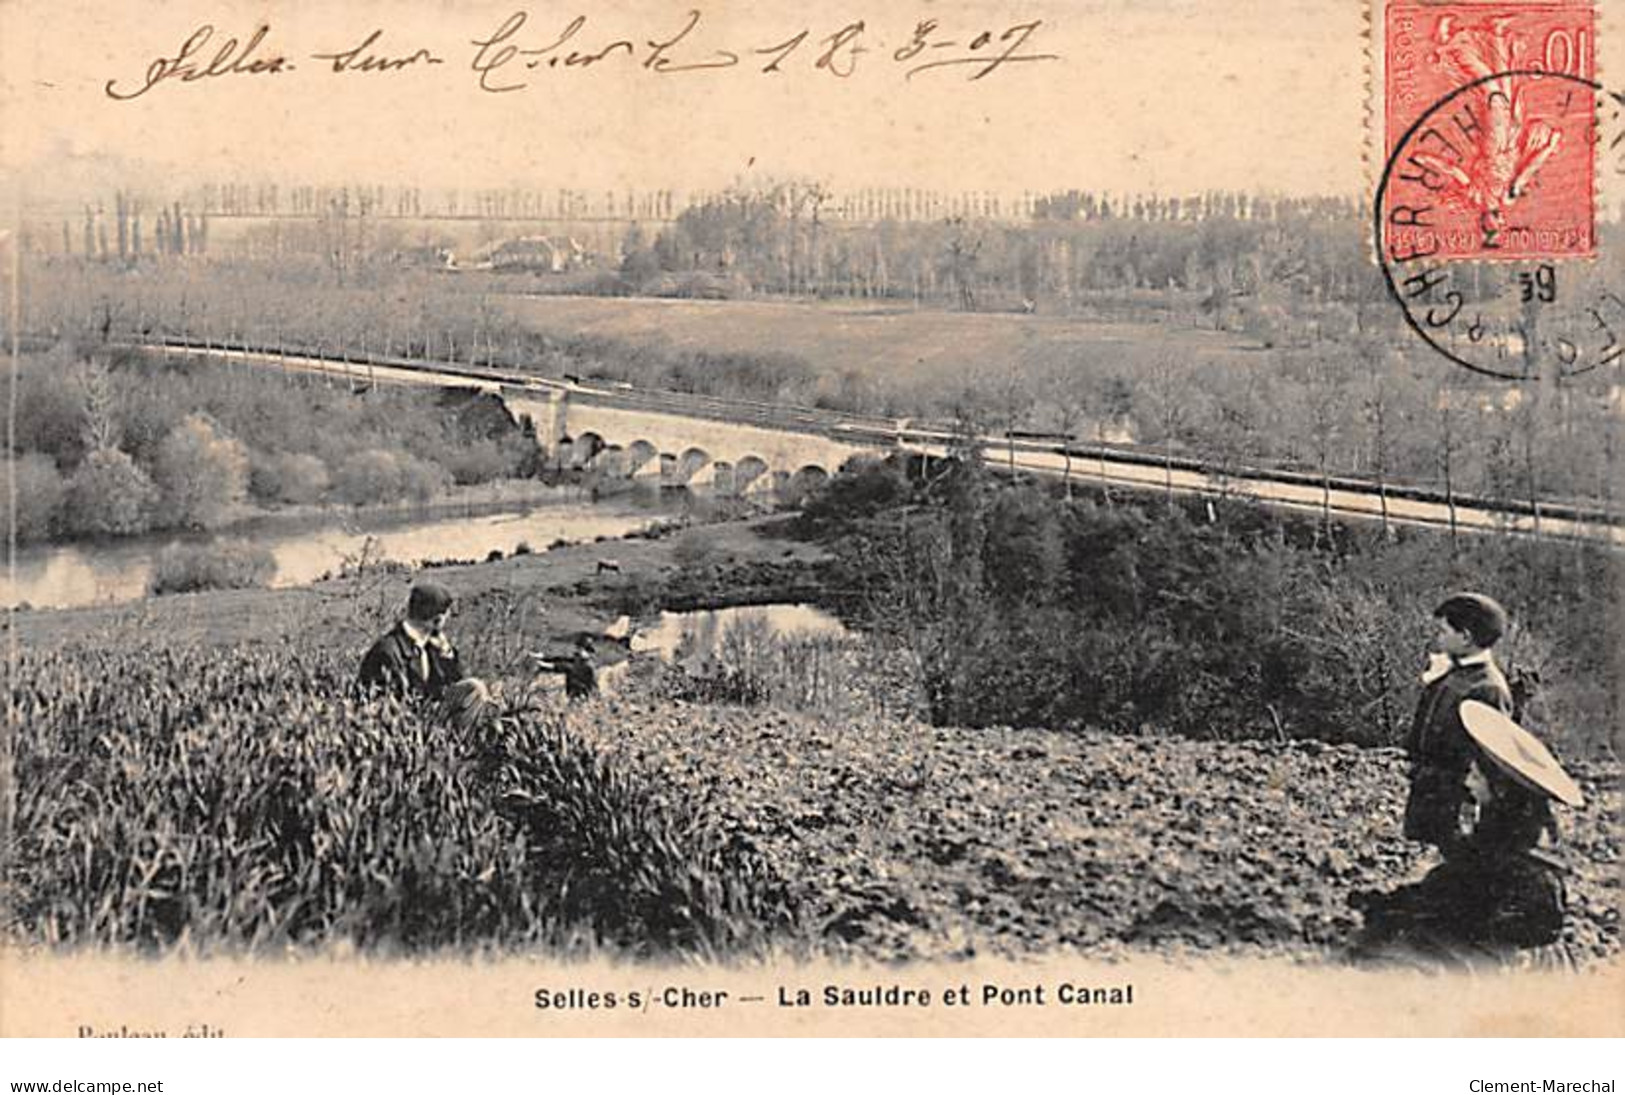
624, 104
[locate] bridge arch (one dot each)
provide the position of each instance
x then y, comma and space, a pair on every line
802, 484
579, 452
689, 464
610, 462
642, 456
722, 478
749, 474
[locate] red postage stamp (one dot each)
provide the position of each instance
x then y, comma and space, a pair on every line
1489, 119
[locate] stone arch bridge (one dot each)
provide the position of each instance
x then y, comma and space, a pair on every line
672, 441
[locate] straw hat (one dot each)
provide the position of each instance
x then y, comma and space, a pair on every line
1518, 753
467, 703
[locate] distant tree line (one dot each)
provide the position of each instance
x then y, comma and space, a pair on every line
869, 204
1221, 248
136, 231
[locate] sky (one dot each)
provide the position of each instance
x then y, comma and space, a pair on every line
1174, 96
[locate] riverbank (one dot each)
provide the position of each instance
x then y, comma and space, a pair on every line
569, 587
248, 518
305, 547
459, 499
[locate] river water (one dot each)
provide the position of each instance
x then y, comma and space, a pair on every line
307, 547
698, 636
697, 640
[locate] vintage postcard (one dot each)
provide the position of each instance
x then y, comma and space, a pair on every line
1061, 518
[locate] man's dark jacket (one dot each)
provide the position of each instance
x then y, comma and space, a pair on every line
395, 664
1441, 751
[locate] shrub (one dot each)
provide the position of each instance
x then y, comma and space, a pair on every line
201, 474
110, 496
1023, 553
41, 491
863, 487
51, 414
694, 550
373, 475
480, 462
378, 475
295, 477
223, 564
639, 595
422, 480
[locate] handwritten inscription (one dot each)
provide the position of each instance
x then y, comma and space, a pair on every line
188, 64
516, 53
363, 58
502, 60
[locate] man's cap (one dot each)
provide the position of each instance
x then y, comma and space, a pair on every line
1481, 617
428, 600
1518, 753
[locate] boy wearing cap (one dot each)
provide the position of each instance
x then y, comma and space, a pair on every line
415, 658
1495, 889
1466, 626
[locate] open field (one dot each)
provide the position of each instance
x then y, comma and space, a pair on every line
923, 352
902, 841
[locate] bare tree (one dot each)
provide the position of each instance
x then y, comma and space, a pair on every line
1169, 398
1449, 456
1322, 412
964, 250
1069, 401
1378, 411
101, 406
799, 200
1015, 400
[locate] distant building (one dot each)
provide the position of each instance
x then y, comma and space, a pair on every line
537, 255
426, 258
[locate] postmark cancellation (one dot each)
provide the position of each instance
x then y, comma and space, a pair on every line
1485, 119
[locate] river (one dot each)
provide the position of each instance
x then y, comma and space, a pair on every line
697, 640
309, 546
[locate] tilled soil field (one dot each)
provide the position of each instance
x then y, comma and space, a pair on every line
905, 841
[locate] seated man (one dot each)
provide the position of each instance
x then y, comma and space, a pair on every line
415, 658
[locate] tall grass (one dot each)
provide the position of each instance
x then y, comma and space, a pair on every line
242, 800
750, 663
